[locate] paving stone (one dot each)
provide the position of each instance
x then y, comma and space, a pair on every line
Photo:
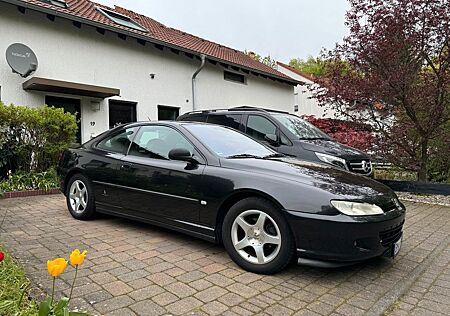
183, 306
278, 310
243, 290
211, 294
114, 303
165, 298
180, 289
147, 308
146, 293
214, 308
117, 288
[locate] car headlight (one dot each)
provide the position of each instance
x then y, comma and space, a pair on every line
356, 208
332, 160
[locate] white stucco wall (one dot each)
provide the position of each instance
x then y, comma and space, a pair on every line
84, 56
307, 105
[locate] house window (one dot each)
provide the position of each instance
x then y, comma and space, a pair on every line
235, 77
122, 19
295, 108
168, 113
121, 112
57, 3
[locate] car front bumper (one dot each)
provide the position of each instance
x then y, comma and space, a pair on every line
344, 239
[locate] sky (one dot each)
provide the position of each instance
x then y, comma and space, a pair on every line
283, 29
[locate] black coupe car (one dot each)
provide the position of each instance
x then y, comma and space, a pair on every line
218, 184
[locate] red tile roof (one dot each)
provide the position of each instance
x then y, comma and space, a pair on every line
85, 11
298, 72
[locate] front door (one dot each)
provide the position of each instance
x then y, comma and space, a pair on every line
162, 189
71, 106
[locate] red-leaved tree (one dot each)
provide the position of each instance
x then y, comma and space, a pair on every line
356, 135
393, 72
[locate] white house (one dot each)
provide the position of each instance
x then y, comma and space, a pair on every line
112, 65
304, 102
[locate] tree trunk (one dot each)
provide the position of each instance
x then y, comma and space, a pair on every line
423, 170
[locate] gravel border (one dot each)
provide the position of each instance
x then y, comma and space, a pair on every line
442, 200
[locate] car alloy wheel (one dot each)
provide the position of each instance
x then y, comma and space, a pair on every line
78, 196
256, 237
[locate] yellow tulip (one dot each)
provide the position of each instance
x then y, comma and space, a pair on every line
56, 267
77, 257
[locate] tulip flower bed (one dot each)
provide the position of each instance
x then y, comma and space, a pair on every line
13, 288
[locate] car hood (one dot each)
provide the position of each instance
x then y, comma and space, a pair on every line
338, 182
331, 147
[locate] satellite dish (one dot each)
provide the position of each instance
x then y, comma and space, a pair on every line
21, 59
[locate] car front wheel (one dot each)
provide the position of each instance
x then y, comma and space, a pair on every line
257, 237
80, 198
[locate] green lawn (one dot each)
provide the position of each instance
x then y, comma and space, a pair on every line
12, 283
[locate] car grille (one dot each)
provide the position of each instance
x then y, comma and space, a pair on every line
363, 166
390, 236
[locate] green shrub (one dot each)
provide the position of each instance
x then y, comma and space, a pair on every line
31, 139
22, 181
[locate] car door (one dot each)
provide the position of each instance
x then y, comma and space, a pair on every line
103, 169
159, 188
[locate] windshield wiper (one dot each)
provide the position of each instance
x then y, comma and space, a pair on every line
243, 156
276, 155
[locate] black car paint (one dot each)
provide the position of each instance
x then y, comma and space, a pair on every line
192, 198
301, 148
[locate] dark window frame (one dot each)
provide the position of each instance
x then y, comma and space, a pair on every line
234, 77
121, 102
168, 107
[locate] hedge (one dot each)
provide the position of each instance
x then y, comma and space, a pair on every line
31, 139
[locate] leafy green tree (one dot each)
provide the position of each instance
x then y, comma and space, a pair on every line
267, 60
314, 66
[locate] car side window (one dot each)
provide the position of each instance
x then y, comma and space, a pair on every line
195, 118
230, 120
118, 143
258, 127
157, 141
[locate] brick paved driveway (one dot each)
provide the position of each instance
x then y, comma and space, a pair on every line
139, 269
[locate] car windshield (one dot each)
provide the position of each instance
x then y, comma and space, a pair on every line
300, 128
228, 143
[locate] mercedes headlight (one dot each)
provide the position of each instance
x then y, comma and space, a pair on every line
332, 160
356, 208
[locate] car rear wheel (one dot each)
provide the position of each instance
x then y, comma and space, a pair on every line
257, 237
80, 198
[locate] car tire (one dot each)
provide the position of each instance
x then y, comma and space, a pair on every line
257, 236
80, 197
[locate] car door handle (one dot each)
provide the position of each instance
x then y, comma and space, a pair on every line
125, 167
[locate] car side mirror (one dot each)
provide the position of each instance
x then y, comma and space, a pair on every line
271, 139
182, 154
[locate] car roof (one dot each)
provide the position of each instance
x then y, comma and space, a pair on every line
241, 109
147, 123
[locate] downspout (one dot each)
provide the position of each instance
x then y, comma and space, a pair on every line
203, 58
